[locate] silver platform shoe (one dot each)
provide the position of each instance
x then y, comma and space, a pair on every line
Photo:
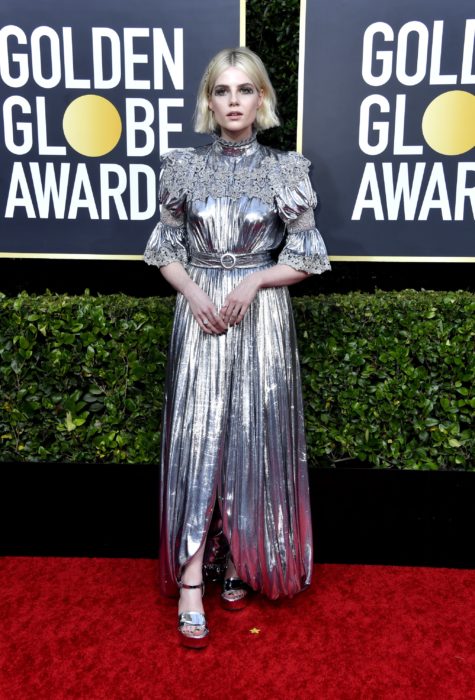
193, 630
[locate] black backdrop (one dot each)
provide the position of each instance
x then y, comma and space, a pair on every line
69, 276
374, 74
66, 190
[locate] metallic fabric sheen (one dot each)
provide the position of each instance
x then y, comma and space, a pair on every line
233, 423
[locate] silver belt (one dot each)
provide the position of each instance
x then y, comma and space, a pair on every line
230, 260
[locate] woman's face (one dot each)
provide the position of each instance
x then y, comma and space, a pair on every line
235, 100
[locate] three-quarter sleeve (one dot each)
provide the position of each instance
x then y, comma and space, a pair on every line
304, 248
167, 242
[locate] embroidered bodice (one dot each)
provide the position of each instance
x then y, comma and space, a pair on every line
237, 197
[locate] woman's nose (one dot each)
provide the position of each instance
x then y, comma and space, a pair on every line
233, 97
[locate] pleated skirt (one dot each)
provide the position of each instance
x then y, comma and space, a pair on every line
233, 434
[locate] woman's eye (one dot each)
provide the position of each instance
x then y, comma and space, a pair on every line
220, 91
247, 90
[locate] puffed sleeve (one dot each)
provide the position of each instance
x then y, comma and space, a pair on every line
167, 242
304, 248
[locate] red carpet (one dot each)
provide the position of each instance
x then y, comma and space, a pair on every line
95, 628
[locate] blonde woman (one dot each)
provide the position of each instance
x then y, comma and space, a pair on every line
233, 432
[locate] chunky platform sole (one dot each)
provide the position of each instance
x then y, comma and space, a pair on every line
234, 584
193, 642
239, 604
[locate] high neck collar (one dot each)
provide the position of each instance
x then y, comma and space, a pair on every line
236, 148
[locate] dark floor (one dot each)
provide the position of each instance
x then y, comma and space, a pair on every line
360, 515
137, 279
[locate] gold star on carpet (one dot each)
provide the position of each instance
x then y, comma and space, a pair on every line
255, 630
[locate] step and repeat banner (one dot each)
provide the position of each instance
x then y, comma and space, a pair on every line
91, 94
387, 115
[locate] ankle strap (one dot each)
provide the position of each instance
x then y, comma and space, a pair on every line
186, 585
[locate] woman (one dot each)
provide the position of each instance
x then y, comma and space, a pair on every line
233, 433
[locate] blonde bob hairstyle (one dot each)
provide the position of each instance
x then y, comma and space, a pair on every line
250, 63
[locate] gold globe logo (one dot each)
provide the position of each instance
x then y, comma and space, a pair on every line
92, 125
448, 124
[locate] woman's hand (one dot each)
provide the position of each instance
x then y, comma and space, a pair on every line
203, 309
238, 301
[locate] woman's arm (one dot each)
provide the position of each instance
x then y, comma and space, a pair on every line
280, 276
200, 304
238, 301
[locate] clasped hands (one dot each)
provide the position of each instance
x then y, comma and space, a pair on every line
214, 321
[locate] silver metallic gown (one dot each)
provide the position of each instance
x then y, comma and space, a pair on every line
233, 425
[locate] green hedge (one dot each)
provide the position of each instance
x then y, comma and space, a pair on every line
388, 378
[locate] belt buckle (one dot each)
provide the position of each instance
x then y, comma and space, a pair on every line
228, 260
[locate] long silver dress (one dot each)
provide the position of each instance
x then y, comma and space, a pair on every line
233, 424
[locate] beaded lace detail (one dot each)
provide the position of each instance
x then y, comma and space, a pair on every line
167, 244
236, 148
315, 264
237, 144
303, 222
166, 217
191, 172
304, 248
